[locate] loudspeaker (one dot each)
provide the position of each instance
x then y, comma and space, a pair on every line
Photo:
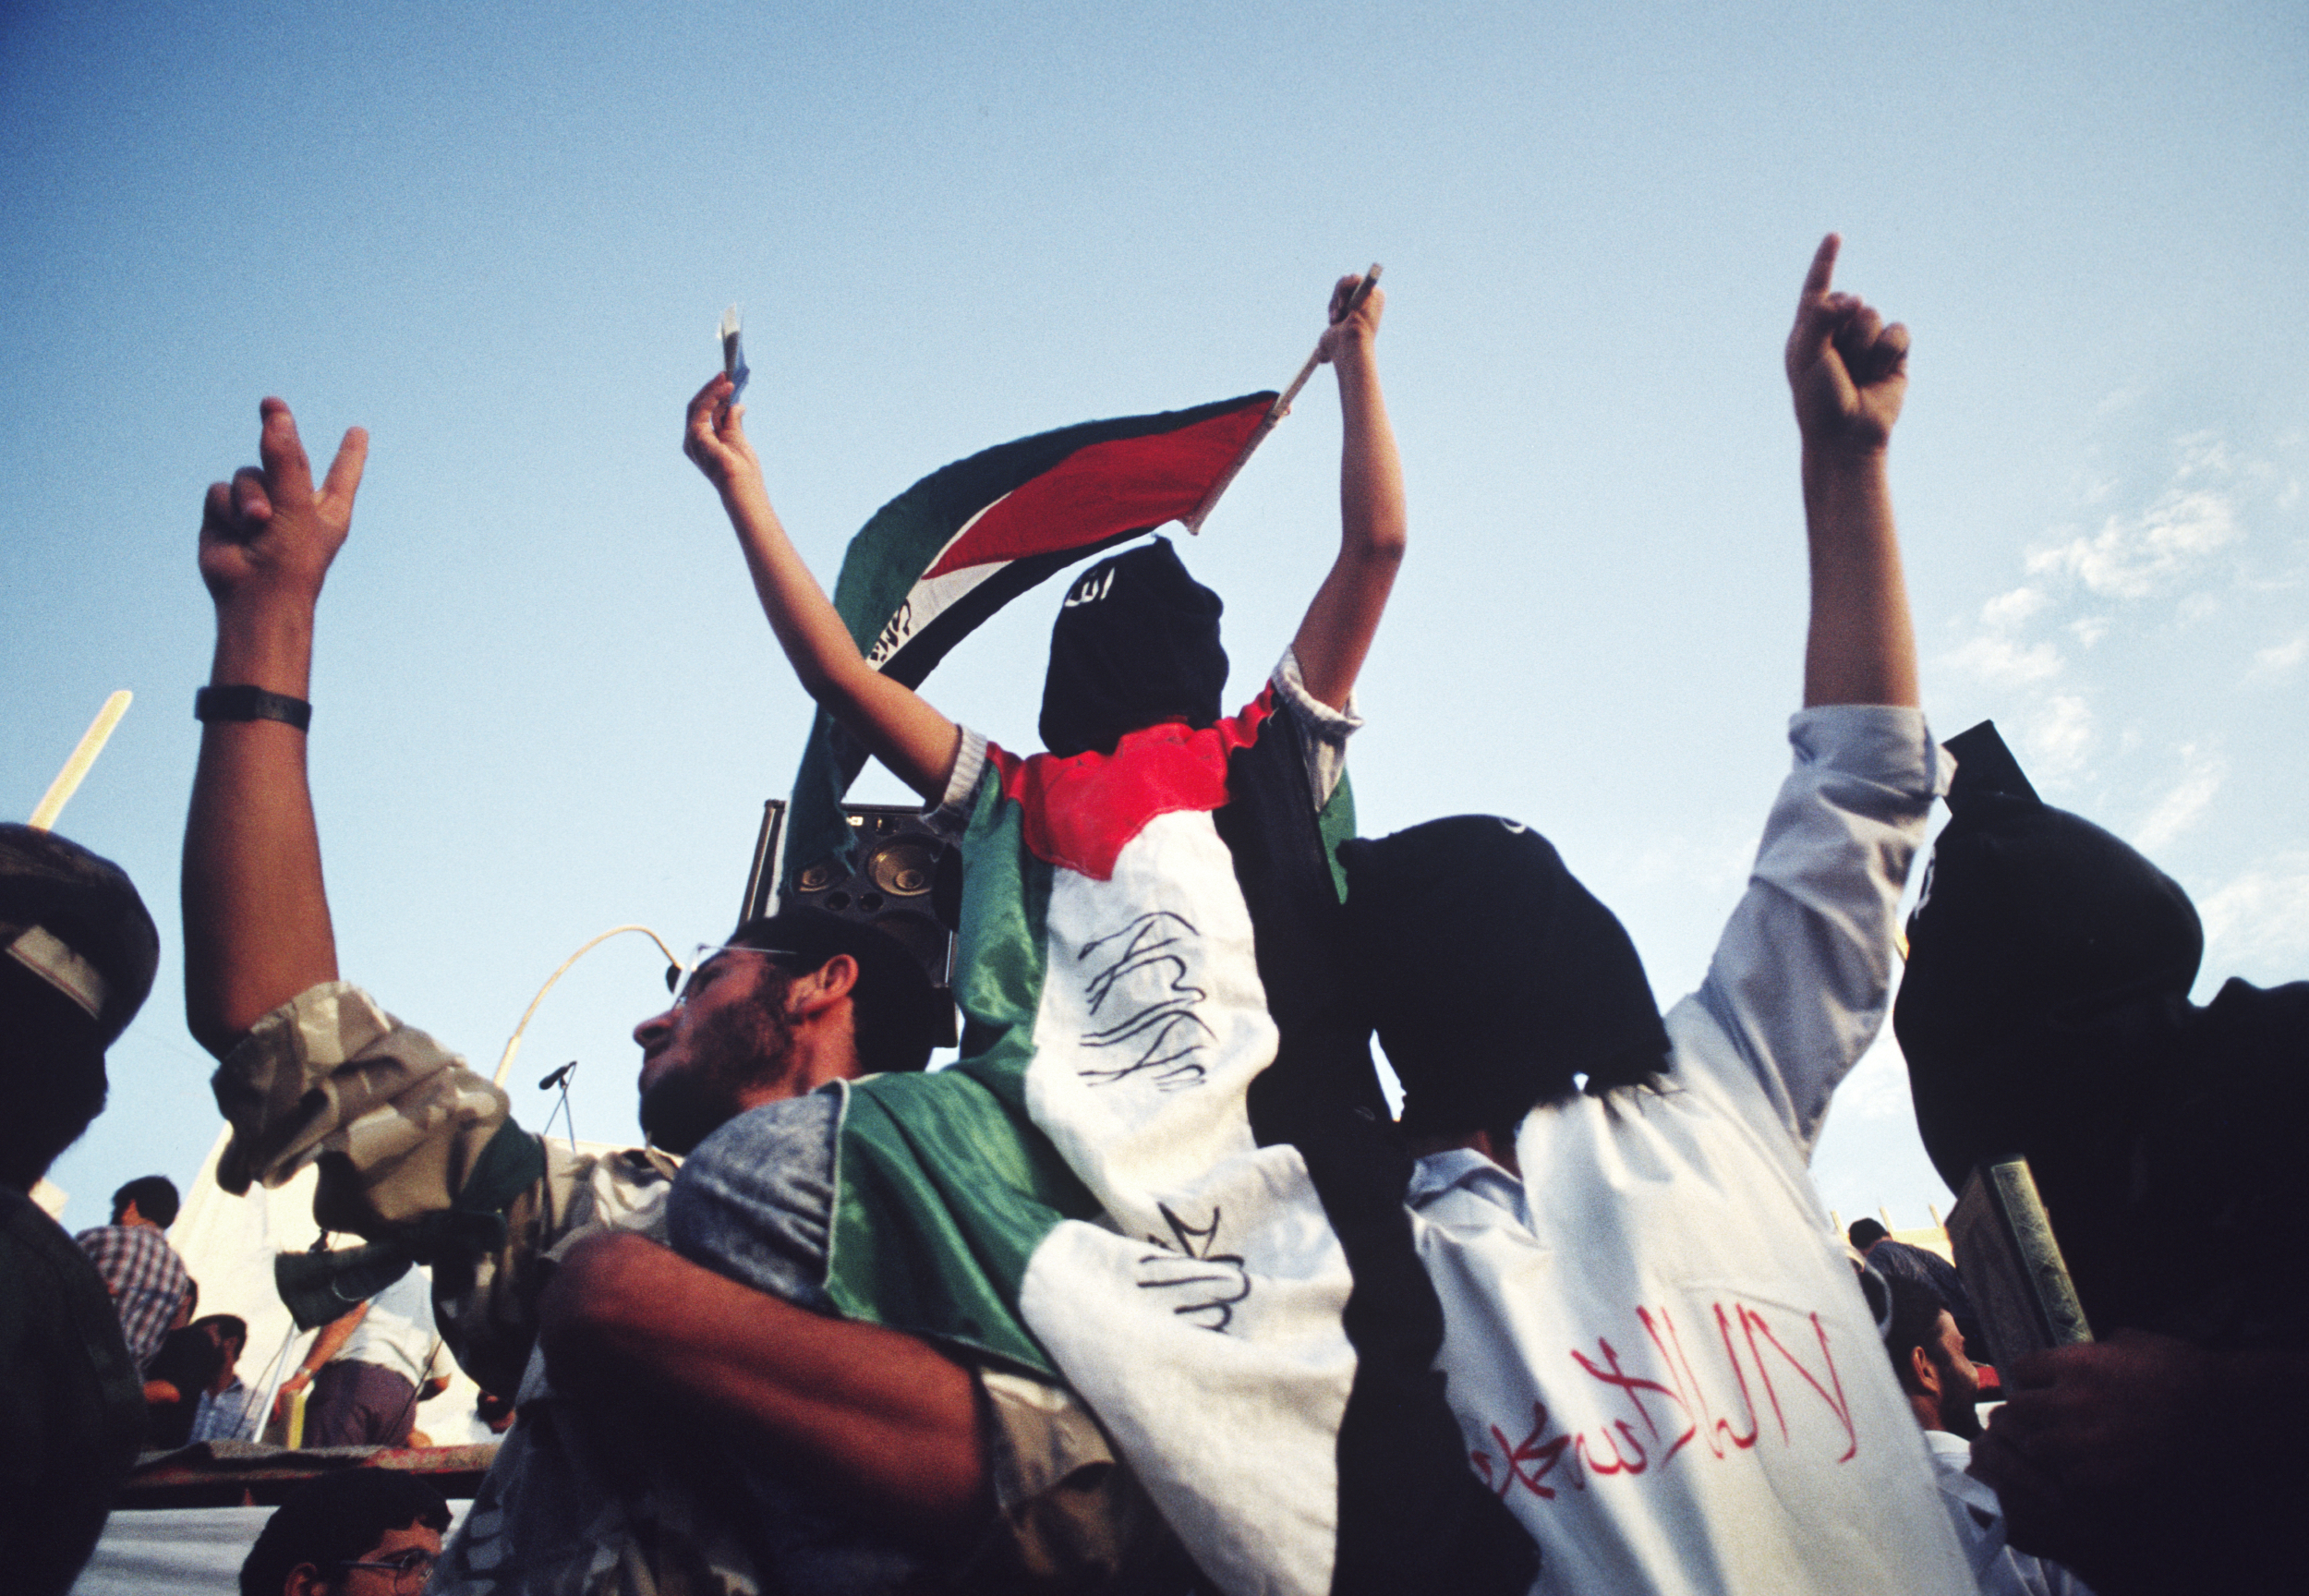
908, 884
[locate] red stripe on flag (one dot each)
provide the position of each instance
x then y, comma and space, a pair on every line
1083, 811
1105, 488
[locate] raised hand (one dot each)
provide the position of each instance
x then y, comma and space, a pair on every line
714, 438
1847, 369
268, 531
1359, 327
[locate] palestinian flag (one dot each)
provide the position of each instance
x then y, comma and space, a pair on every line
950, 550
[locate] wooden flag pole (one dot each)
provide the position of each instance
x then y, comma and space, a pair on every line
91, 743
1280, 408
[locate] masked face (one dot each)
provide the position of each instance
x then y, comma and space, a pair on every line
1136, 642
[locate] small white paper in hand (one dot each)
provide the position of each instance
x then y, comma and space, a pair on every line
733, 353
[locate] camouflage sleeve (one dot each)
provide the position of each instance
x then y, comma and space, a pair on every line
397, 1119
1070, 1518
486, 1302
398, 1124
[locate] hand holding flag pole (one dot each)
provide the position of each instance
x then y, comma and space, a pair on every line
1282, 406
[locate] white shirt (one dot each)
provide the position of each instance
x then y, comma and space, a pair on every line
397, 1331
1656, 1350
1979, 1520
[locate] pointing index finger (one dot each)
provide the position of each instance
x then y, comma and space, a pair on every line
1823, 269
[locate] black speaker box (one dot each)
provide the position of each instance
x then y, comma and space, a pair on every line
908, 884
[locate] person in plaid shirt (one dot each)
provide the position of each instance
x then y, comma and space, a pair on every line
152, 1293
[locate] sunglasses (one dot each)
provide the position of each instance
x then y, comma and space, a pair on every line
708, 951
409, 1568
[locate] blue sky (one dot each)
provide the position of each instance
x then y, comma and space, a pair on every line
546, 703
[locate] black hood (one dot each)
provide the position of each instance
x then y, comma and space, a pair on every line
2045, 1013
2035, 931
1136, 642
1494, 978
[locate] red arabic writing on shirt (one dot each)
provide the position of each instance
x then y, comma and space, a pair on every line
1671, 1412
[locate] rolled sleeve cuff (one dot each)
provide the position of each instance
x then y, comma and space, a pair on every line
1327, 728
1883, 743
950, 814
1290, 686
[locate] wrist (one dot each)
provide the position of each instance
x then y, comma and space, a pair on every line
1841, 457
743, 492
264, 641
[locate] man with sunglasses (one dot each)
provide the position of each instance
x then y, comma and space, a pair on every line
894, 1464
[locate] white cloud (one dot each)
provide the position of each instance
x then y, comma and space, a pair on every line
2203, 771
2075, 631
2058, 734
2009, 610
1878, 1087
2202, 452
2278, 660
2262, 915
2131, 557
1692, 862
2007, 664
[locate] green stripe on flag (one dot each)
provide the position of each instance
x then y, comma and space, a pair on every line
943, 1187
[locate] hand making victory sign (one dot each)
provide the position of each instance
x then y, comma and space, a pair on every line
256, 927
268, 530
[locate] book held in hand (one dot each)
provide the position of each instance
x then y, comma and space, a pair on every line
2010, 1262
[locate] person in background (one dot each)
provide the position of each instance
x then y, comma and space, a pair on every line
77, 956
188, 1363
362, 1532
152, 1290
222, 1413
370, 1369
1926, 1268
1943, 1390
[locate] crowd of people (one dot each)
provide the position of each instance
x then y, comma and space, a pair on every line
1151, 1291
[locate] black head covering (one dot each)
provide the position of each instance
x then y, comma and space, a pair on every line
1136, 642
2045, 1012
75, 921
1494, 977
2034, 928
